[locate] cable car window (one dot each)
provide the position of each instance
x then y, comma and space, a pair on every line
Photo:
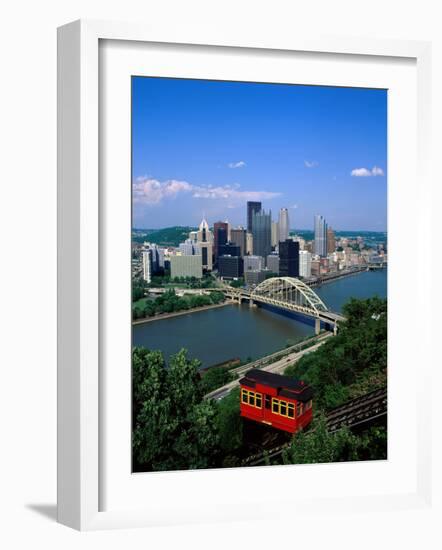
283, 408
252, 399
290, 410
275, 406
298, 409
244, 396
267, 401
258, 401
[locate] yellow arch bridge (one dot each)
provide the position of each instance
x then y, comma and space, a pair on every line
290, 294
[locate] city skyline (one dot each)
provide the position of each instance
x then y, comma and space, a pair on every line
205, 148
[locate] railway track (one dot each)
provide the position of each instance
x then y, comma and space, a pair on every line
358, 411
354, 413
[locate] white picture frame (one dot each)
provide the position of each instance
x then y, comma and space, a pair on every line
80, 261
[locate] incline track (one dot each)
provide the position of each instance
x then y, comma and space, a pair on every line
358, 411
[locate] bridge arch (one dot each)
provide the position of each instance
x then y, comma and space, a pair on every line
289, 290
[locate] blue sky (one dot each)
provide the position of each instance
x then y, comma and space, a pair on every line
206, 147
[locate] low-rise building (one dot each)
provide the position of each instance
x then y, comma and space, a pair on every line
186, 266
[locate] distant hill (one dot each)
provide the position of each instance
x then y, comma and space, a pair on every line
168, 236
172, 236
373, 237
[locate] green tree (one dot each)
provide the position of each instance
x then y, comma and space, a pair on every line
173, 427
149, 309
355, 358
318, 445
137, 293
215, 377
217, 297
230, 428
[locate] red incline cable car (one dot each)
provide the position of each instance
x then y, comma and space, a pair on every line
276, 400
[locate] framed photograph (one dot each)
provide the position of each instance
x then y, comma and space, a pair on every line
233, 238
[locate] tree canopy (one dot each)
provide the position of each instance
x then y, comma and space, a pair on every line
353, 362
318, 445
173, 427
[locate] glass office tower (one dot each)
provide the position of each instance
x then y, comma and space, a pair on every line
262, 233
289, 259
252, 207
283, 224
320, 247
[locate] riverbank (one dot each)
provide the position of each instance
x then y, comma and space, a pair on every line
339, 276
161, 316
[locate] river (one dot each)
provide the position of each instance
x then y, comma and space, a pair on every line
217, 335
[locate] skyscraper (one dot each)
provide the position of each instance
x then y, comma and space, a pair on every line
147, 265
253, 263
156, 256
283, 224
238, 236
262, 233
331, 241
320, 247
189, 248
205, 244
230, 267
249, 243
229, 249
273, 263
289, 259
305, 263
220, 236
252, 207
275, 234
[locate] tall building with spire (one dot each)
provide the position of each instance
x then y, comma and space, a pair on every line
205, 244
320, 245
283, 224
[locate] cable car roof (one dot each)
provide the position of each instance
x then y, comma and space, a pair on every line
286, 386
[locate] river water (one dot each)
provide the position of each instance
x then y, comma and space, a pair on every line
217, 335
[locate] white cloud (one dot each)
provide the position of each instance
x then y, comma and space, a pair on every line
365, 172
376, 171
150, 191
361, 172
239, 164
311, 163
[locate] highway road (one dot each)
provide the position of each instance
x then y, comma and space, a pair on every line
277, 367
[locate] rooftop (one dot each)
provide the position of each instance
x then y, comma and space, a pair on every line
286, 386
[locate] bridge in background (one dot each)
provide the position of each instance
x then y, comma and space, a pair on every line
289, 294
